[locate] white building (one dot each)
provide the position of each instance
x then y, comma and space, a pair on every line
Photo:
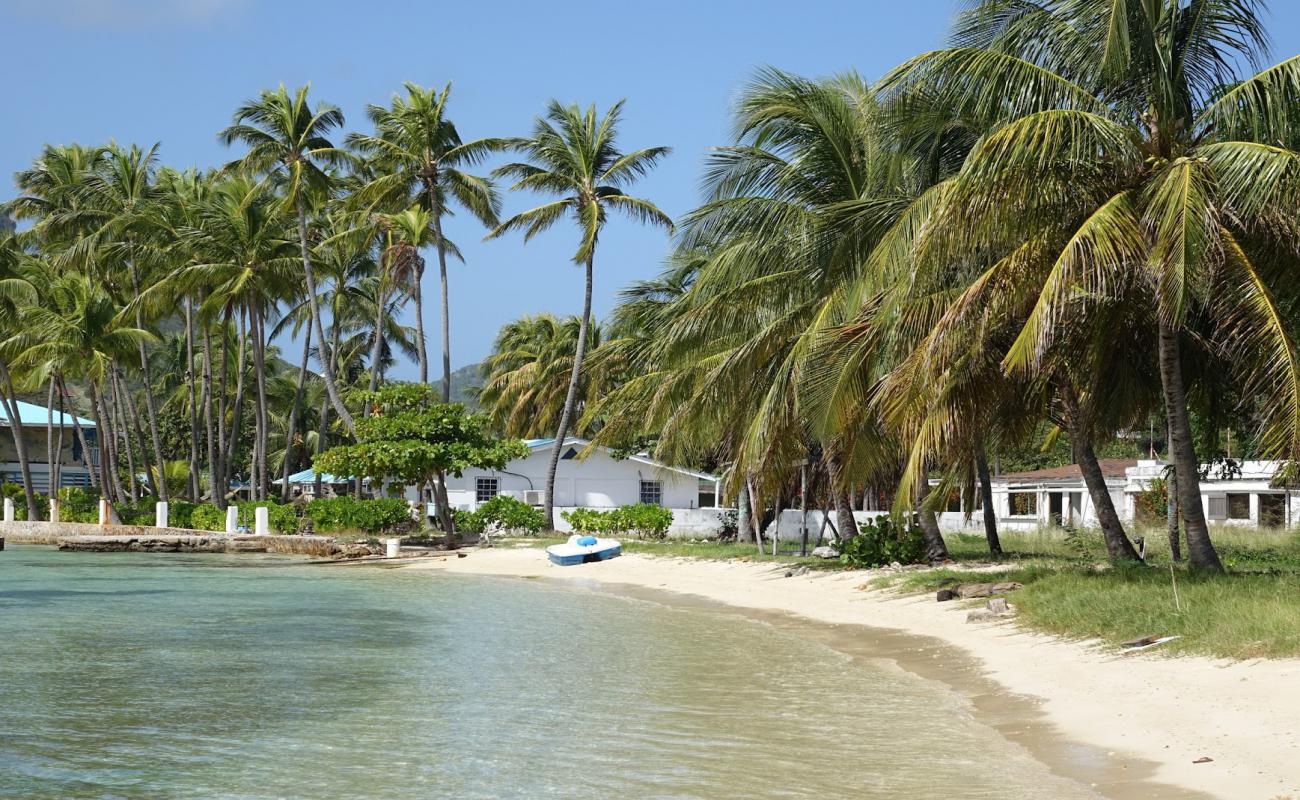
597, 481
73, 462
1058, 497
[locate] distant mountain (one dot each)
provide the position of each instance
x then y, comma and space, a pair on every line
464, 382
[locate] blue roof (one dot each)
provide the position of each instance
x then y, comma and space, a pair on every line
32, 414
308, 476
536, 443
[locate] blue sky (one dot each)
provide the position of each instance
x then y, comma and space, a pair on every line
172, 71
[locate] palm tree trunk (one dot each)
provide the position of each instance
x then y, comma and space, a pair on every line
81, 434
936, 549
190, 381
259, 415
331, 388
20, 442
744, 531
119, 409
848, 526
293, 414
1118, 545
570, 400
321, 436
1171, 507
446, 308
214, 460
51, 477
57, 483
377, 345
109, 482
1200, 550
154, 437
986, 499
237, 406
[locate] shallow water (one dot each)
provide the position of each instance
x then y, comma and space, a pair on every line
141, 675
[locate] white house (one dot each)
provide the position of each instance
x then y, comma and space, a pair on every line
1058, 496
597, 481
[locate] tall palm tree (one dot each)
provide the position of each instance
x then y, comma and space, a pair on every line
419, 157
573, 154
288, 138
1128, 155
16, 294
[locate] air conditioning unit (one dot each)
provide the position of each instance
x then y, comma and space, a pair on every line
534, 497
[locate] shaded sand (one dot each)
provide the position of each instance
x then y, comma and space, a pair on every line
1140, 715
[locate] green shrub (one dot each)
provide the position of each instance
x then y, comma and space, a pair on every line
77, 504
207, 517
368, 516
643, 521
14, 491
467, 521
505, 513
883, 541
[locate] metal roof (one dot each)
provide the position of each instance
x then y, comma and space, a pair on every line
34, 415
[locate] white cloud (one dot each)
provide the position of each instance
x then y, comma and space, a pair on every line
124, 13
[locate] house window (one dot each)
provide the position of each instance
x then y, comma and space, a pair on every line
1023, 504
708, 494
652, 493
1238, 505
1272, 510
485, 489
1218, 507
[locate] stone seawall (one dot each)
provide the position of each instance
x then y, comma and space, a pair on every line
106, 538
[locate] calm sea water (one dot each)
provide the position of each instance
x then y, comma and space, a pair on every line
165, 676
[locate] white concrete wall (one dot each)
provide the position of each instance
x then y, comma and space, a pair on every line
790, 527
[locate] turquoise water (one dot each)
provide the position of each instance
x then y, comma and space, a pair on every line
168, 676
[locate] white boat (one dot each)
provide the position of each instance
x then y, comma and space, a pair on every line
583, 550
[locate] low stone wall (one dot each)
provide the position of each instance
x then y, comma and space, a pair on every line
88, 536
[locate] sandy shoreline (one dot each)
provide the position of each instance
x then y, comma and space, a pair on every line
1159, 713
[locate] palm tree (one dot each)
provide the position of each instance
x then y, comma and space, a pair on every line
419, 157
15, 295
287, 138
572, 154
526, 377
1127, 155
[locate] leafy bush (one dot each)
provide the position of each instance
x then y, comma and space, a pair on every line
368, 516
467, 521
505, 513
14, 491
207, 517
643, 521
883, 541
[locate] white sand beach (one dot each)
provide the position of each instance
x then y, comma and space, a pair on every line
1168, 712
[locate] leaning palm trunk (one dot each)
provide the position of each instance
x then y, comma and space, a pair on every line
81, 435
377, 345
327, 368
155, 438
293, 414
237, 406
103, 426
936, 550
56, 482
51, 476
986, 499
744, 532
259, 413
20, 441
118, 408
1200, 550
570, 399
1118, 545
848, 526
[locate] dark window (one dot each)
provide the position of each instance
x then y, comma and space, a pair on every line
652, 493
1239, 505
1023, 504
485, 489
1272, 510
569, 454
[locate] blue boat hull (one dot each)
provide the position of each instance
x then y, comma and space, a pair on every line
568, 556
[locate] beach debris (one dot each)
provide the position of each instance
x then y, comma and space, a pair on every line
967, 591
796, 572
996, 608
462, 555
944, 595
1202, 760
1147, 642
826, 551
